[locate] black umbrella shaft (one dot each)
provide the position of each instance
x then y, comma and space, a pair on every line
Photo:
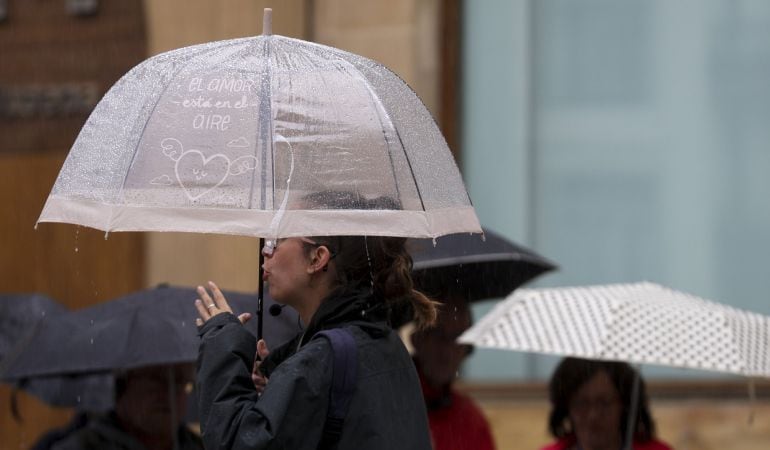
260, 290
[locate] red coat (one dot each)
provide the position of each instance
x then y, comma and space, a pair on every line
567, 443
456, 423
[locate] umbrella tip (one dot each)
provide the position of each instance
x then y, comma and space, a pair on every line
267, 22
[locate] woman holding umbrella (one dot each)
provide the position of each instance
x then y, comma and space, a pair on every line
334, 283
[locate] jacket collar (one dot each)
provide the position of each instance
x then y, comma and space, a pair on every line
349, 307
357, 307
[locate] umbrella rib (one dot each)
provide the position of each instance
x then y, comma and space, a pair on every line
374, 100
395, 129
265, 103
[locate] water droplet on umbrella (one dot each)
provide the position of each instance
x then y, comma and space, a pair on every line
78, 399
92, 341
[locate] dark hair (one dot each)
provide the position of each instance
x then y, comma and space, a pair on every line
572, 373
379, 263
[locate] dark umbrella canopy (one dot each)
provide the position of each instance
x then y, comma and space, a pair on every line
473, 267
79, 350
20, 314
21, 317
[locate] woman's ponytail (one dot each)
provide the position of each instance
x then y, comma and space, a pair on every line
396, 284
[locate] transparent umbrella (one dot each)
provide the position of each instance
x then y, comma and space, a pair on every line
265, 136
242, 136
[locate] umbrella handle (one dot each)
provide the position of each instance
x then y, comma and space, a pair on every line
260, 290
752, 401
632, 410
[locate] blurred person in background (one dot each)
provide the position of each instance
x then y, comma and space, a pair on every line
456, 422
150, 404
590, 406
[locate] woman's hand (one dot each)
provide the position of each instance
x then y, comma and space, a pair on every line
259, 380
209, 306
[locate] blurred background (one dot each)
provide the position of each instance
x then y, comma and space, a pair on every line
624, 140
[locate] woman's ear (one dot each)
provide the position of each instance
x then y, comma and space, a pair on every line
320, 259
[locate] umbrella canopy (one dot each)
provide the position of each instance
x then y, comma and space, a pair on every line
20, 314
637, 323
265, 136
479, 268
23, 315
79, 350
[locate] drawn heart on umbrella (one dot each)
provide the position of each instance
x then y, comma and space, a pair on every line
194, 170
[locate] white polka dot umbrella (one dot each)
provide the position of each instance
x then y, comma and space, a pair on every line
641, 323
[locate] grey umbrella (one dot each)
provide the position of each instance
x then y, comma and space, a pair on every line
21, 317
72, 358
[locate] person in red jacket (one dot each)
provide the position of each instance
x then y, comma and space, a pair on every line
456, 422
590, 405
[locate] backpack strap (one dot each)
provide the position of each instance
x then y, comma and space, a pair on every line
344, 376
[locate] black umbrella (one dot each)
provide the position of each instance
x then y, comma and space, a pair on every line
21, 317
81, 349
475, 268
20, 314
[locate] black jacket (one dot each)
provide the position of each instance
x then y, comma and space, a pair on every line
386, 412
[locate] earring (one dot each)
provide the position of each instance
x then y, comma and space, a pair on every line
325, 268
